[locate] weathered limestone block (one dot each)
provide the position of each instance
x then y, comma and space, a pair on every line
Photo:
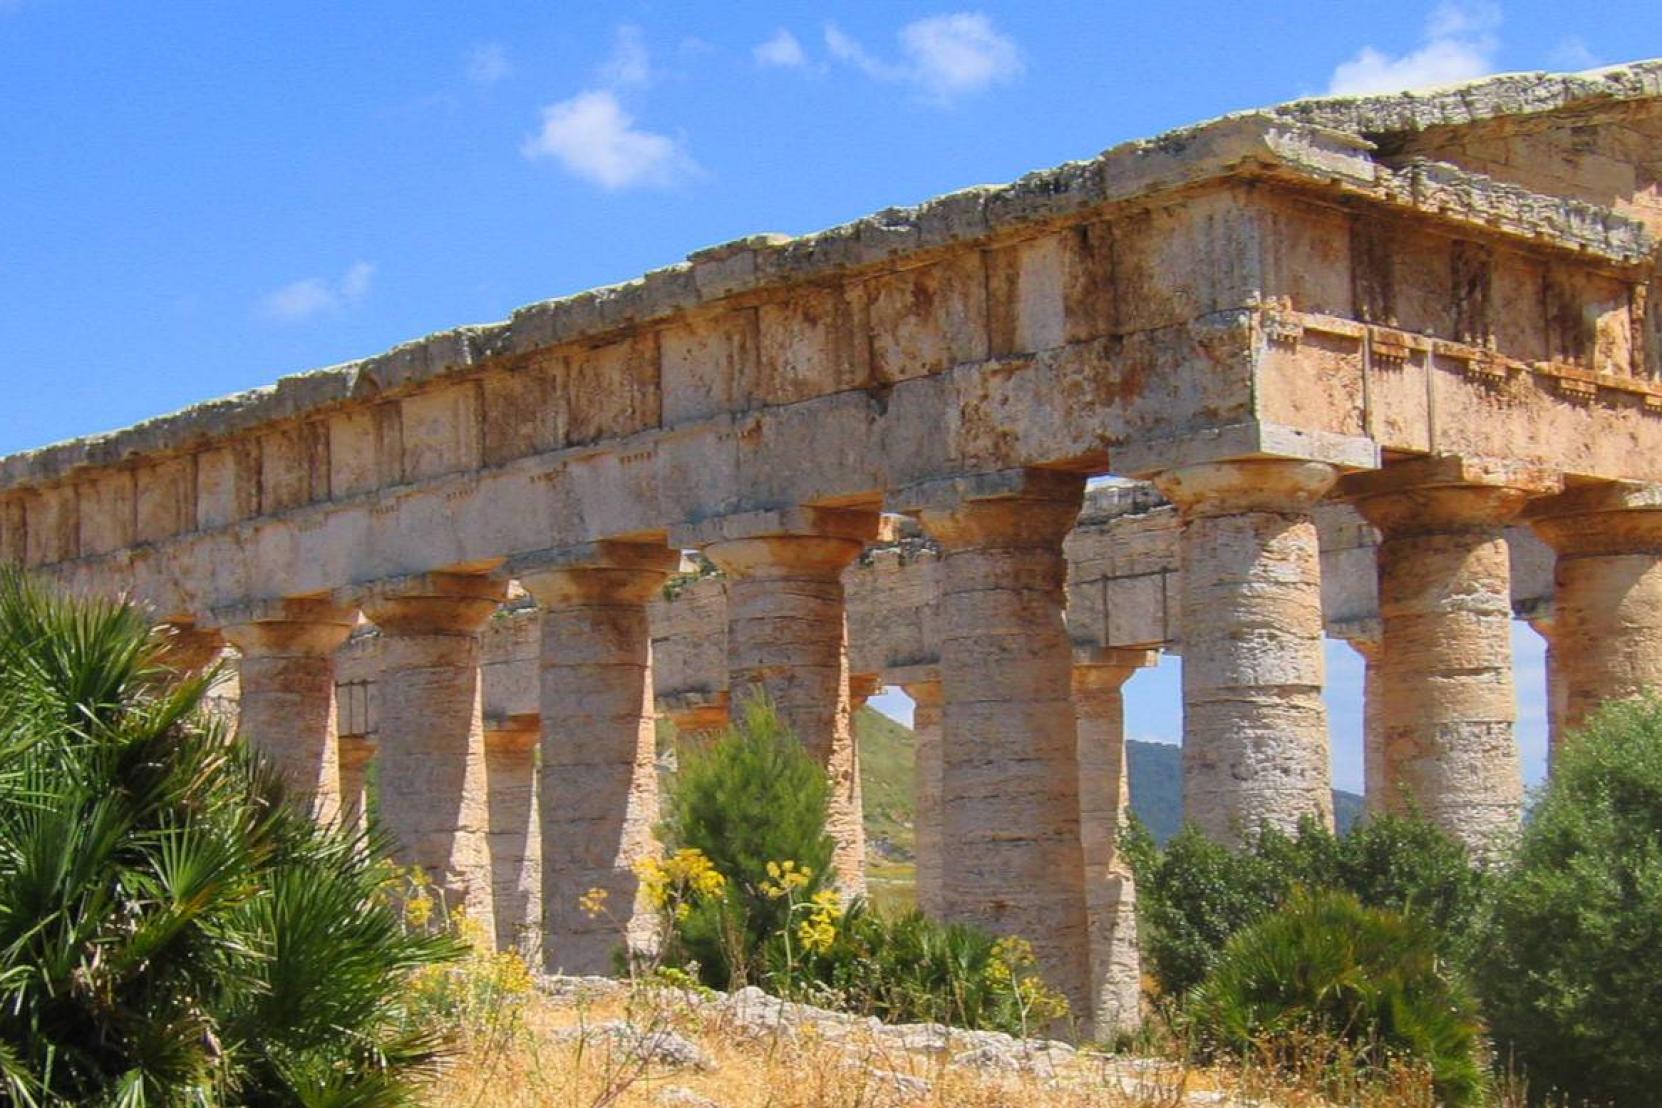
598, 784
515, 838
1445, 687
1104, 798
191, 649
1606, 636
434, 796
1255, 743
787, 639
1010, 847
286, 683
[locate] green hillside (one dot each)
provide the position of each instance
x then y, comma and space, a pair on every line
886, 768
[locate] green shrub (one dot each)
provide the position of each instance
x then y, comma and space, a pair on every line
910, 969
1570, 973
749, 797
1195, 893
1354, 988
170, 932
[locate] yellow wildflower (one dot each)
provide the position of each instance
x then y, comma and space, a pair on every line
593, 902
418, 910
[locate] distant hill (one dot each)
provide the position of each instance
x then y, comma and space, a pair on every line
886, 774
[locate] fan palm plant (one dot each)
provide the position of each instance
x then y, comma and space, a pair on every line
170, 931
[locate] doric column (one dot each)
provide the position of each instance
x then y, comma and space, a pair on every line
515, 840
598, 782
189, 649
1446, 703
1607, 594
356, 752
286, 679
433, 797
1010, 851
1255, 743
787, 639
1099, 676
926, 792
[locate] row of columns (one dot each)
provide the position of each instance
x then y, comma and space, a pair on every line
1020, 741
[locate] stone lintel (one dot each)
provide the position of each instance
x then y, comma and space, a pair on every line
857, 525
947, 493
1241, 441
1436, 471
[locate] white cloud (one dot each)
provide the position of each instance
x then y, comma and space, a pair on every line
782, 50
488, 63
629, 65
945, 56
956, 54
311, 296
593, 137
1459, 44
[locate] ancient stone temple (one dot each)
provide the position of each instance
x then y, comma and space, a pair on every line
1382, 368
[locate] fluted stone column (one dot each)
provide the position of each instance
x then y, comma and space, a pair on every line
1255, 741
1607, 584
286, 679
433, 796
598, 782
787, 639
1010, 848
356, 752
1446, 700
515, 839
1104, 798
926, 793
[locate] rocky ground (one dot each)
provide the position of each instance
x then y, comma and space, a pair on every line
594, 1041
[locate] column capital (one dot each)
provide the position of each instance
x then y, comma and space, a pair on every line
782, 541
1606, 518
863, 686
1446, 492
516, 733
189, 648
355, 751
280, 627
1363, 635
1288, 485
1006, 508
432, 603
599, 572
1108, 667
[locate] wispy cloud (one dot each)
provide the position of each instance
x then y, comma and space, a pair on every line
488, 63
593, 137
945, 57
782, 50
1459, 44
313, 296
630, 65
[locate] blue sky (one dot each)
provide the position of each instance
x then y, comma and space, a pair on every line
198, 197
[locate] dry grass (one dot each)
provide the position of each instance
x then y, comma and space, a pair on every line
547, 1052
